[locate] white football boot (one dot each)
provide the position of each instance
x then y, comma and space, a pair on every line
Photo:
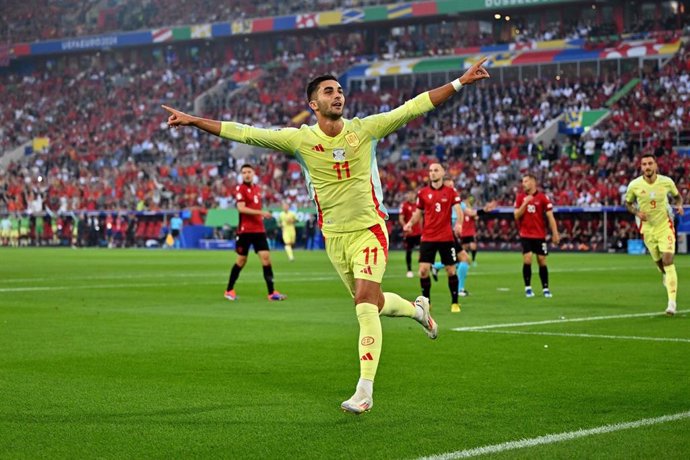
430, 326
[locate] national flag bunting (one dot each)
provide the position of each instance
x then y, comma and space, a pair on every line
305, 21
356, 15
162, 35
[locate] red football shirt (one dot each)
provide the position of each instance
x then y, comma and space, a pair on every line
437, 205
251, 195
406, 210
532, 224
469, 227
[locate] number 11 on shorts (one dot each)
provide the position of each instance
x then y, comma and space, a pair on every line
373, 252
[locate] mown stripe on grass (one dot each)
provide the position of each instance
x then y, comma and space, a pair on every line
560, 437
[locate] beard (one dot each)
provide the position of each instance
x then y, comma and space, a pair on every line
327, 112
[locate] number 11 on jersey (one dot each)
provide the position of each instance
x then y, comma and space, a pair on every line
345, 167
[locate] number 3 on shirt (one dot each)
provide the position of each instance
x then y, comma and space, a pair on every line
345, 167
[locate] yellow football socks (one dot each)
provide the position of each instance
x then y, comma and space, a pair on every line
370, 338
288, 250
397, 306
671, 281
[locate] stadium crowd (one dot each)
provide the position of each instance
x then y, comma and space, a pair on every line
25, 22
110, 149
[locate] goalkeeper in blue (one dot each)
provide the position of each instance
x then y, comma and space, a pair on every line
338, 159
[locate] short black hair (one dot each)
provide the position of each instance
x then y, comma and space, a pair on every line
246, 165
314, 84
647, 155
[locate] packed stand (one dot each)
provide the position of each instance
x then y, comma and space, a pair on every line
22, 21
125, 158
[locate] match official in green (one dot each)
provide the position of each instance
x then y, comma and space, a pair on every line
338, 158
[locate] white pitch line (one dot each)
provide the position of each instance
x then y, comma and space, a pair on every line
593, 336
139, 285
554, 438
207, 274
557, 321
210, 273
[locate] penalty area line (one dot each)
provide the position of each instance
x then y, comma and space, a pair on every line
555, 438
564, 320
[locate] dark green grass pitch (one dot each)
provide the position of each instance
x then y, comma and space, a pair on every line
136, 354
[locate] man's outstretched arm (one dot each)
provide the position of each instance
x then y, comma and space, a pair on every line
474, 74
178, 118
283, 140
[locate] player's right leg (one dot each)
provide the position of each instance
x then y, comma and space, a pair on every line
662, 246
242, 251
671, 280
427, 254
361, 260
527, 267
265, 257
340, 250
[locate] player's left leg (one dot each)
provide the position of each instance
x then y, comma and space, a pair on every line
453, 284
544, 275
449, 259
265, 257
667, 246
541, 249
288, 241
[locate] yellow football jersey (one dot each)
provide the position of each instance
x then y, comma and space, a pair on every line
652, 199
341, 171
287, 219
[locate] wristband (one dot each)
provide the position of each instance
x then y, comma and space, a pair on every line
456, 84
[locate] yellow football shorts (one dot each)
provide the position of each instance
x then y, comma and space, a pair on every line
359, 255
289, 236
660, 239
